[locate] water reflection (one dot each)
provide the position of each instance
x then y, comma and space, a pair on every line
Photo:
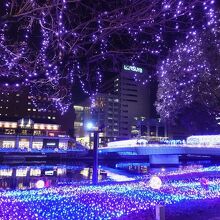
26, 177
136, 168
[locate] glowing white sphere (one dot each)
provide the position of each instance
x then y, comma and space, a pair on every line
155, 182
89, 125
40, 184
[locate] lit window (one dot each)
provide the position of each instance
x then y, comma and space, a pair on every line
21, 172
8, 144
35, 171
54, 117
49, 117
29, 109
37, 145
42, 126
13, 125
17, 94
34, 110
55, 127
48, 127
36, 126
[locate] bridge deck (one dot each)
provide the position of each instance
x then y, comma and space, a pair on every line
164, 150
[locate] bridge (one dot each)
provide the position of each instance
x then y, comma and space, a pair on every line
162, 153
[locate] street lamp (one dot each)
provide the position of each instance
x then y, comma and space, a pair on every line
89, 126
95, 130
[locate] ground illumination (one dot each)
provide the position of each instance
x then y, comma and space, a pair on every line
111, 200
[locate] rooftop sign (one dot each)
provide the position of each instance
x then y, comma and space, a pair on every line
133, 68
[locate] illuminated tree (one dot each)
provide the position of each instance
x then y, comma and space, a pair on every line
51, 45
190, 76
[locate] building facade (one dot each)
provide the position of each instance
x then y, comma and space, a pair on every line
133, 100
114, 109
19, 104
25, 135
150, 129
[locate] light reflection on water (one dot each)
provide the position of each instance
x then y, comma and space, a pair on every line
26, 177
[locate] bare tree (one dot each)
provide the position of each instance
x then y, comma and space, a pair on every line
190, 76
50, 45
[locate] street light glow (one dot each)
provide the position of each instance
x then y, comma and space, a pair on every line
89, 126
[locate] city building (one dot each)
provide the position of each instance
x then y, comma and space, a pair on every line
150, 129
133, 98
103, 114
19, 104
82, 116
121, 99
26, 135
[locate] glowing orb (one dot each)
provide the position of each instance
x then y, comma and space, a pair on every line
40, 184
155, 182
89, 125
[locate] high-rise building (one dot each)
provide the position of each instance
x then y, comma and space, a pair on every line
114, 109
104, 114
133, 99
82, 115
19, 104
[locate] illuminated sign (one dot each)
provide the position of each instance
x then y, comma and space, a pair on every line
133, 68
51, 144
49, 172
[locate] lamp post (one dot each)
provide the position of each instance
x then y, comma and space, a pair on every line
156, 183
95, 158
95, 130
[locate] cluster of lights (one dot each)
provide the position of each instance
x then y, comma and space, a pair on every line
108, 201
69, 50
189, 71
189, 171
176, 90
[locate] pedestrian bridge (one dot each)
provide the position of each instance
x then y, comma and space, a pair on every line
162, 153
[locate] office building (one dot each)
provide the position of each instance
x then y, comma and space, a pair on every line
104, 114
133, 98
19, 104
114, 109
82, 116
